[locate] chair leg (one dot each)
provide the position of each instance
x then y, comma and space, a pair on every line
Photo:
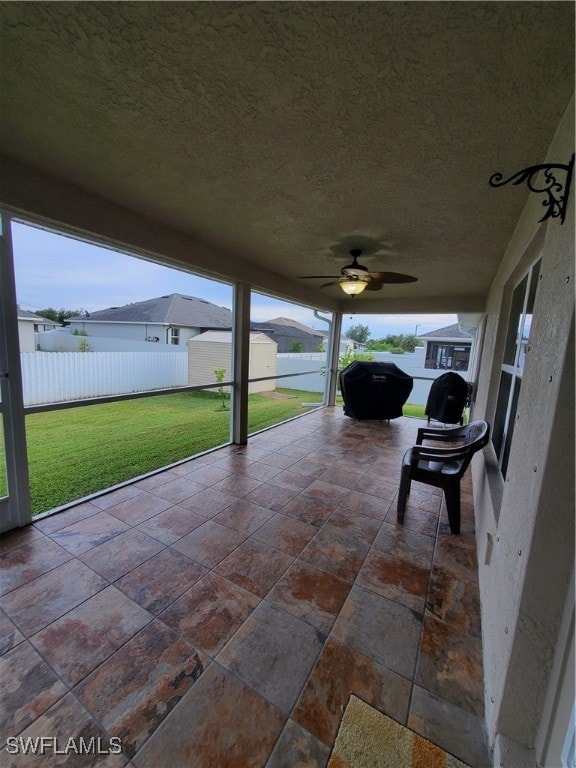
452, 494
403, 491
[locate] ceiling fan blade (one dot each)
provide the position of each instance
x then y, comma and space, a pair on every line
373, 285
392, 277
332, 282
314, 277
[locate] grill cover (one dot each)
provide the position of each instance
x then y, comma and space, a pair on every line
447, 398
374, 390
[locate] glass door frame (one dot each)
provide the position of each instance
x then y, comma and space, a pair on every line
15, 509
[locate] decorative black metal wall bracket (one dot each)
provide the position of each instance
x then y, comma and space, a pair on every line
557, 193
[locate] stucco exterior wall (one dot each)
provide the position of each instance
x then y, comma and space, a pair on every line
26, 336
133, 331
525, 526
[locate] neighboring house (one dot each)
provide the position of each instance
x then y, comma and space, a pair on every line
29, 324
448, 348
171, 319
292, 336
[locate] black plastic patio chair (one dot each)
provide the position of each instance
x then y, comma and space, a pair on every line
442, 466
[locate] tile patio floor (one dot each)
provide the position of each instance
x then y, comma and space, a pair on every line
221, 612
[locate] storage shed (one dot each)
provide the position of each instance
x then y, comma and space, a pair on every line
213, 349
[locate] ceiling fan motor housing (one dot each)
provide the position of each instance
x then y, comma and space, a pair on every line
355, 270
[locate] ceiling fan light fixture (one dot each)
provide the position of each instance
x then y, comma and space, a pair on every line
353, 286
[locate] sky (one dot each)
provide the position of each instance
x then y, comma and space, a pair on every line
61, 272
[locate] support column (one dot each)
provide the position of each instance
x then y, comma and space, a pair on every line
240, 363
332, 359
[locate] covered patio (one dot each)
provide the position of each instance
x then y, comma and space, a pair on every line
223, 610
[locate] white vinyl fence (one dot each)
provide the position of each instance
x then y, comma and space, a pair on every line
52, 377
411, 363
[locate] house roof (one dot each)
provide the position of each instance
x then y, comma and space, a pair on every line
174, 309
295, 324
450, 332
286, 330
24, 314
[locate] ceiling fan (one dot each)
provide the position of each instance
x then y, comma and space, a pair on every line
355, 278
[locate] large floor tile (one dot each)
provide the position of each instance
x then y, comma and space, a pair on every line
310, 594
208, 502
254, 566
27, 562
161, 580
139, 508
402, 542
365, 504
210, 543
37, 603
78, 642
68, 722
171, 525
298, 747
210, 612
115, 497
29, 687
16, 537
273, 652
220, 723
10, 636
454, 600
336, 553
177, 490
139, 685
450, 665
286, 533
340, 671
238, 485
396, 579
244, 516
380, 628
271, 496
311, 511
66, 517
359, 527
114, 558
89, 533
457, 730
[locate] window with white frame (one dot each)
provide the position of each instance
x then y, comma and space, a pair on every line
516, 347
174, 335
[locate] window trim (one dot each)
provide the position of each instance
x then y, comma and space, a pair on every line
501, 442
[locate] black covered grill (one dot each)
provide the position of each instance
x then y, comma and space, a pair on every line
447, 398
374, 390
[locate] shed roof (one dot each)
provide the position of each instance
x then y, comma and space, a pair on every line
226, 336
174, 309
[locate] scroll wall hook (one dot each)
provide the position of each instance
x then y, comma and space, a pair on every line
557, 191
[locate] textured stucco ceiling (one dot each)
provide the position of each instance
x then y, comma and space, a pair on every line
288, 131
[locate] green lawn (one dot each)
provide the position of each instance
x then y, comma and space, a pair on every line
77, 451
